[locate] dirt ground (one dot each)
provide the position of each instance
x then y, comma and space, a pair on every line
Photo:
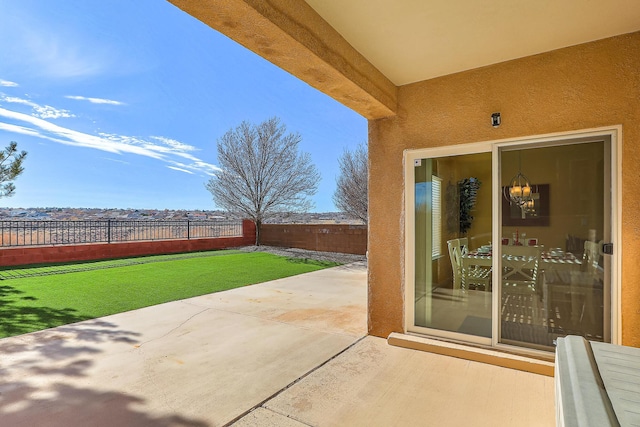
303, 253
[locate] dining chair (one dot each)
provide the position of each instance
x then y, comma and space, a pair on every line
455, 255
578, 301
522, 297
464, 276
476, 275
520, 265
591, 290
591, 258
464, 245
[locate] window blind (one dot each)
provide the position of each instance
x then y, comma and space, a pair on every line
436, 217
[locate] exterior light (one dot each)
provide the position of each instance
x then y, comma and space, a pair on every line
495, 120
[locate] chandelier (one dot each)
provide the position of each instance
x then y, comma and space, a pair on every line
519, 191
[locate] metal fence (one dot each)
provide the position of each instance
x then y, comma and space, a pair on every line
38, 233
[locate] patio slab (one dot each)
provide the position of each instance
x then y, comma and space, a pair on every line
203, 361
335, 303
376, 384
291, 352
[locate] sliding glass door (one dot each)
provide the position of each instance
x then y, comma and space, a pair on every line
452, 213
509, 243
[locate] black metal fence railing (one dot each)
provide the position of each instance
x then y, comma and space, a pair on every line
39, 233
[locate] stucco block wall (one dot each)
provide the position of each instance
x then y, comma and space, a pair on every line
67, 253
587, 86
346, 239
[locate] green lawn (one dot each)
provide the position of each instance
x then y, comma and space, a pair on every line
36, 303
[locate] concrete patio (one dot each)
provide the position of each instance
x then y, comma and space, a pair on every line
291, 352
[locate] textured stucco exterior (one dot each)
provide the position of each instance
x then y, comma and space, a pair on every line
586, 86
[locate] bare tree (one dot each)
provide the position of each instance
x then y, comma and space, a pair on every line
262, 174
10, 168
351, 194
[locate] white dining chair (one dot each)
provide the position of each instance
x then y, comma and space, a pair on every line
455, 255
591, 259
477, 275
522, 296
466, 275
520, 266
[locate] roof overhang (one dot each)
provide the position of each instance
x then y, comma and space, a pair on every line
294, 37
359, 51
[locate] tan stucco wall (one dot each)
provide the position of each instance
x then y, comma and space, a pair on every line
586, 86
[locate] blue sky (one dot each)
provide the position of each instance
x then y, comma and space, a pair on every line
119, 104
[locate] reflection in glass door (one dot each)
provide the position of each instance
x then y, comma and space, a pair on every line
509, 244
555, 219
453, 225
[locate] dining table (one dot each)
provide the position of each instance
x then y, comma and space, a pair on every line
554, 260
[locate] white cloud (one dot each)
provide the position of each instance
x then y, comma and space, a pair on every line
169, 151
207, 168
180, 169
41, 111
49, 112
58, 56
95, 100
7, 83
67, 136
198, 166
50, 48
177, 145
161, 150
18, 129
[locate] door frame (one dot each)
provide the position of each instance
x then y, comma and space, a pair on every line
614, 133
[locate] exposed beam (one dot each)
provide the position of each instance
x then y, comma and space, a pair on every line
290, 34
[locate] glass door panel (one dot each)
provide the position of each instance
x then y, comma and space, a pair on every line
554, 218
453, 262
